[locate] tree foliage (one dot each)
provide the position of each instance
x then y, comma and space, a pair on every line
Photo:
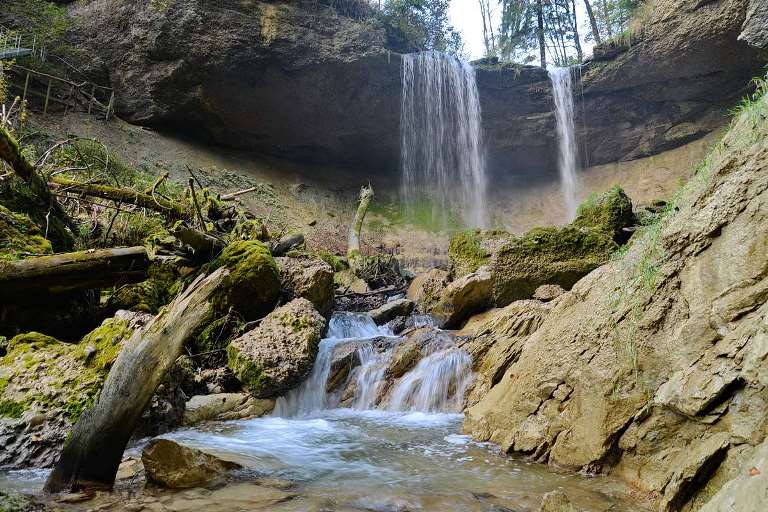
419, 25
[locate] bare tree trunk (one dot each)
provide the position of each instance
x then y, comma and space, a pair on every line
353, 246
121, 195
485, 29
63, 273
593, 22
540, 33
576, 40
95, 448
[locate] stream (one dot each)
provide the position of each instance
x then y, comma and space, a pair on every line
407, 454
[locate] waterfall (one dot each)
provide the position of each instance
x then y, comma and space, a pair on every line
562, 91
437, 383
441, 146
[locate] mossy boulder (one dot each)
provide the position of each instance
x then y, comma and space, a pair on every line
46, 384
253, 285
471, 249
20, 237
548, 255
162, 285
280, 352
609, 212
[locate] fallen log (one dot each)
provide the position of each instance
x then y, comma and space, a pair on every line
62, 273
287, 243
205, 246
95, 448
121, 195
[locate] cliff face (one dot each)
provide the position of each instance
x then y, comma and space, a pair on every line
655, 367
310, 85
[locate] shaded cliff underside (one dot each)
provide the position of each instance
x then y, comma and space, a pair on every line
654, 367
314, 86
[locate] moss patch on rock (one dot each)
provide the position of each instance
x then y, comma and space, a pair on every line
253, 284
465, 252
20, 237
610, 212
162, 285
547, 256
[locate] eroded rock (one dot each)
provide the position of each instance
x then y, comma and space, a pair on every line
225, 406
391, 310
462, 298
280, 352
309, 278
175, 466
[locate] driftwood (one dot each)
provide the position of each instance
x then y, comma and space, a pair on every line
205, 246
353, 245
233, 195
61, 273
121, 195
287, 243
95, 448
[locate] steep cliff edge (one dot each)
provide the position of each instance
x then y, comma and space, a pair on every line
654, 367
309, 84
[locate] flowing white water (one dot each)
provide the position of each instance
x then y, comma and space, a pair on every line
441, 143
562, 91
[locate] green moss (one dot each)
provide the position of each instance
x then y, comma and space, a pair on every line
249, 374
610, 212
107, 339
30, 341
20, 237
216, 335
77, 405
253, 284
11, 409
162, 285
547, 256
465, 252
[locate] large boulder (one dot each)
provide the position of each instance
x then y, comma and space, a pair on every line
425, 289
278, 354
392, 309
171, 465
462, 298
46, 384
609, 212
753, 30
309, 278
253, 284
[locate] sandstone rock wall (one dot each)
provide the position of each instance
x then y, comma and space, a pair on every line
664, 350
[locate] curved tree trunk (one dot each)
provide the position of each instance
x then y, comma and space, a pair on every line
95, 448
353, 244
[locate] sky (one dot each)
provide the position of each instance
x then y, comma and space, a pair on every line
465, 16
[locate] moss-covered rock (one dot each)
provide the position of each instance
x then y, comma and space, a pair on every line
253, 284
20, 237
280, 352
46, 384
162, 285
471, 249
610, 212
547, 256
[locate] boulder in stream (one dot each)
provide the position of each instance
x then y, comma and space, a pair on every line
278, 354
310, 278
392, 309
225, 406
174, 466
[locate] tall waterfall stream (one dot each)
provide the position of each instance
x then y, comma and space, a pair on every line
407, 454
441, 141
562, 91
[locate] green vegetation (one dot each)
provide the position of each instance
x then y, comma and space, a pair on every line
465, 252
20, 237
417, 25
609, 212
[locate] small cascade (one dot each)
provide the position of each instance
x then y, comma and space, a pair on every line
441, 143
437, 383
562, 91
311, 396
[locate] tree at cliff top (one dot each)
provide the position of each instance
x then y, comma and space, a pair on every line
420, 25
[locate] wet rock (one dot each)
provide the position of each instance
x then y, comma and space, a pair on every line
174, 466
225, 406
556, 501
392, 309
462, 298
309, 278
425, 289
548, 292
404, 358
280, 352
344, 359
